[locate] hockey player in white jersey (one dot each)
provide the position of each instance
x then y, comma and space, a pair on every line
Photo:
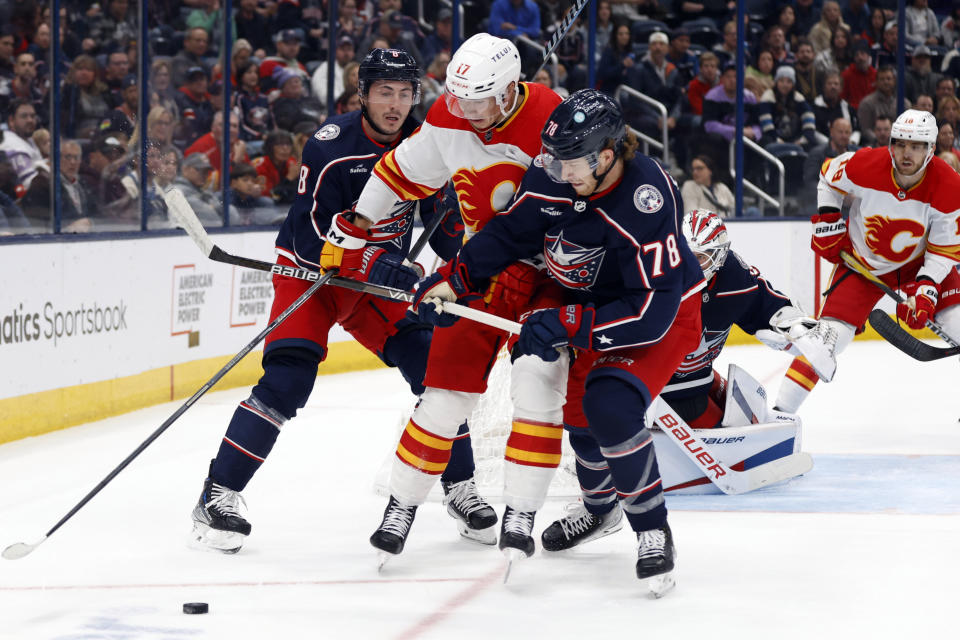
904, 227
482, 134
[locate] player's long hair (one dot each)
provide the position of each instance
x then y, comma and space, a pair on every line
629, 146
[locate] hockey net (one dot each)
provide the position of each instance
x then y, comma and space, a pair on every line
490, 425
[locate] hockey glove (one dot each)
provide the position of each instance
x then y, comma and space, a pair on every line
544, 332
449, 283
342, 237
829, 236
921, 303
376, 266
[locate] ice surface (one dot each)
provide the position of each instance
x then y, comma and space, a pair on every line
866, 545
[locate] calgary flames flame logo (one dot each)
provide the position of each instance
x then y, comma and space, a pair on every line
882, 232
484, 192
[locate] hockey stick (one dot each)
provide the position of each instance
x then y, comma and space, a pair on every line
858, 266
572, 14
729, 481
896, 335
181, 210
21, 549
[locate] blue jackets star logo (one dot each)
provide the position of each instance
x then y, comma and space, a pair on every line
570, 264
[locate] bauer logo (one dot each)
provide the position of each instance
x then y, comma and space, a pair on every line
647, 198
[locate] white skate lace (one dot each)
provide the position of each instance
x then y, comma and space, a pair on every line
519, 522
464, 496
225, 501
577, 521
397, 520
652, 543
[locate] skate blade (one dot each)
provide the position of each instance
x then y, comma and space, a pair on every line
486, 536
512, 556
209, 539
659, 586
382, 559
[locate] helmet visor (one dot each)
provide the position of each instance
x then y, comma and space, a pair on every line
574, 170
404, 94
476, 109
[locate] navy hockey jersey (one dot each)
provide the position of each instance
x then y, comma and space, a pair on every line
620, 250
337, 161
736, 295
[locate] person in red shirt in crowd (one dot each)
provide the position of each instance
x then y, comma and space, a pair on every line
704, 81
211, 143
278, 167
860, 78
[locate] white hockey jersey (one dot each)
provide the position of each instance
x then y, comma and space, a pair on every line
486, 168
890, 226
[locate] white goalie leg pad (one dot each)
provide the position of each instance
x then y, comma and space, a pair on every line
949, 320
440, 412
538, 390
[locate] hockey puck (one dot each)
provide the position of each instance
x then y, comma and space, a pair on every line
196, 607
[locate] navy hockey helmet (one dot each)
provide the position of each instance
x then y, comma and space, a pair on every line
583, 125
388, 64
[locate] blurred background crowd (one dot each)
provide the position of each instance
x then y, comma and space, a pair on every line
820, 80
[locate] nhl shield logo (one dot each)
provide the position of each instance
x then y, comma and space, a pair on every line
327, 132
648, 198
579, 206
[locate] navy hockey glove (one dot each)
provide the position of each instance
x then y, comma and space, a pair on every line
376, 266
449, 283
546, 331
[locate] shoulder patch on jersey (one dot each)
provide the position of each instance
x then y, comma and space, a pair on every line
647, 198
327, 132
538, 161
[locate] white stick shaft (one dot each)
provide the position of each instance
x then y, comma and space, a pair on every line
183, 213
482, 317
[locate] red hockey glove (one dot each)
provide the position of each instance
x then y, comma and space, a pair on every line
449, 283
921, 303
342, 237
546, 331
829, 236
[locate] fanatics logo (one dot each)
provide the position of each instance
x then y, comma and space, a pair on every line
327, 132
648, 198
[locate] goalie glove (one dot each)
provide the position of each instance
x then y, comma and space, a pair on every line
921, 303
786, 325
829, 236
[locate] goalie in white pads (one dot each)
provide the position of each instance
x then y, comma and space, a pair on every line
736, 293
904, 227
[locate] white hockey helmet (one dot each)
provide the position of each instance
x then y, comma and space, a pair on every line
707, 237
483, 67
916, 126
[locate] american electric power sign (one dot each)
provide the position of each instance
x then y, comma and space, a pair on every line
49, 322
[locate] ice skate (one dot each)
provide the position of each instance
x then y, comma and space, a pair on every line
475, 518
656, 560
392, 533
217, 522
579, 526
516, 543
819, 347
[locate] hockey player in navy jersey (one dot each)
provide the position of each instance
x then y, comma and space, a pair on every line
607, 222
736, 293
337, 162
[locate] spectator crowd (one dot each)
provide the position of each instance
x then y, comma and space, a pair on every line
820, 80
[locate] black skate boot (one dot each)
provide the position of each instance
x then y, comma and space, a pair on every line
217, 522
579, 526
392, 533
656, 559
475, 518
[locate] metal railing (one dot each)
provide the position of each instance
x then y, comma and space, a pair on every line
778, 165
664, 143
542, 50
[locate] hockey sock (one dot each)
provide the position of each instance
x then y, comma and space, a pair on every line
461, 466
615, 411
797, 384
251, 435
421, 457
593, 473
530, 461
